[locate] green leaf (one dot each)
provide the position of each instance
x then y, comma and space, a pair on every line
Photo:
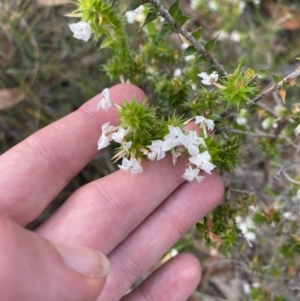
261, 73
106, 42
189, 51
276, 78
182, 19
133, 5
210, 45
165, 31
200, 227
197, 34
175, 9
151, 16
200, 60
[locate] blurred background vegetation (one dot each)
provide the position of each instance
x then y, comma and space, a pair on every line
45, 74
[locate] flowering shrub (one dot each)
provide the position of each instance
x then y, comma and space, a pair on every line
189, 85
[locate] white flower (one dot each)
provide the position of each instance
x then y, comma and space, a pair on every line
81, 30
103, 142
136, 15
209, 123
127, 145
191, 141
119, 136
130, 15
105, 139
190, 174
241, 118
156, 151
268, 122
173, 138
202, 162
177, 72
133, 165
247, 227
207, 79
105, 102
175, 155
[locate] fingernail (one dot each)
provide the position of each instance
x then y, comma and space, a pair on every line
87, 262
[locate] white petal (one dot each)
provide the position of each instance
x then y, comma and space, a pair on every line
167, 145
210, 124
126, 165
155, 145
105, 93
190, 174
107, 128
151, 156
136, 167
207, 167
160, 154
175, 155
81, 30
199, 119
214, 76
205, 78
127, 145
200, 158
200, 179
103, 142
119, 135
104, 104
193, 150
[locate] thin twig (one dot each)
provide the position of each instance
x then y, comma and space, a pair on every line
290, 179
199, 48
255, 134
266, 108
279, 85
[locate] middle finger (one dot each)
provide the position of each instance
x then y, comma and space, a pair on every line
102, 213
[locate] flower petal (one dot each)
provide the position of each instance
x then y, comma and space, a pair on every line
81, 30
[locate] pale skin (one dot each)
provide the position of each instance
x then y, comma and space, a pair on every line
131, 218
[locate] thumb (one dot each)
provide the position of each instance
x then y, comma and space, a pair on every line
32, 268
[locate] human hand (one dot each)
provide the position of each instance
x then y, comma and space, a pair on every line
132, 218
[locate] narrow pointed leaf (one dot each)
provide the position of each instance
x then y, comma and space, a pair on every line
165, 31
182, 19
133, 5
151, 16
197, 34
210, 45
189, 51
261, 73
174, 9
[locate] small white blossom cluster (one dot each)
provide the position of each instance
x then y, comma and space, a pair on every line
136, 15
177, 141
81, 30
208, 79
247, 227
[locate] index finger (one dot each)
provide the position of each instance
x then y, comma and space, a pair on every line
34, 171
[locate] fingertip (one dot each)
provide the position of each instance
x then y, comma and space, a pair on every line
177, 279
192, 269
122, 92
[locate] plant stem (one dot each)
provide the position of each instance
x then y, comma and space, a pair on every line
279, 85
199, 48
